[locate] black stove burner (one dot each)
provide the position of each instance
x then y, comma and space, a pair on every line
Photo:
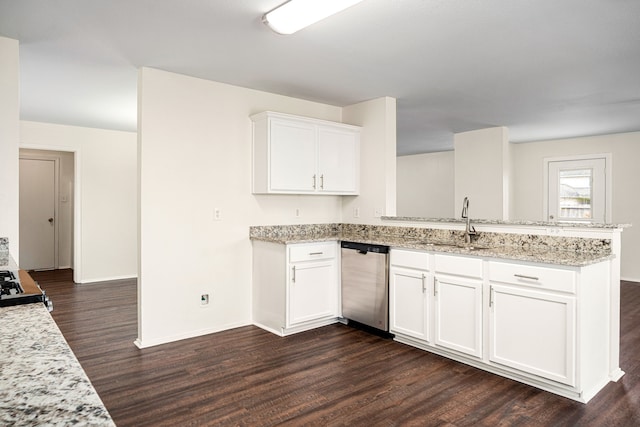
10, 288
6, 275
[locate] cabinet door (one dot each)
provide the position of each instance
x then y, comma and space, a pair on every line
534, 332
458, 314
313, 291
338, 158
409, 303
292, 157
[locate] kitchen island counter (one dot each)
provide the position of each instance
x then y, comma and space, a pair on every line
41, 381
572, 252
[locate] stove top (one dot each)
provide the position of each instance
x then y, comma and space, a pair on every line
9, 285
12, 292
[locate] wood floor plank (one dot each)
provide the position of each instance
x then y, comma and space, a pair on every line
331, 376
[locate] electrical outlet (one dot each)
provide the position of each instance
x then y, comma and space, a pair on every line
204, 299
217, 214
298, 213
356, 212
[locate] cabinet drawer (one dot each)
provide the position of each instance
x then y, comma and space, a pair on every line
312, 251
534, 276
458, 265
411, 259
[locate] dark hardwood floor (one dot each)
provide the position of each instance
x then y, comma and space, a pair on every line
332, 376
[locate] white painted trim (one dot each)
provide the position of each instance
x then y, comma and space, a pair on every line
102, 280
77, 202
193, 334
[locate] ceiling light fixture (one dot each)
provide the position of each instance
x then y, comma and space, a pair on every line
295, 15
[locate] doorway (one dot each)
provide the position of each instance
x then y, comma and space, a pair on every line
46, 209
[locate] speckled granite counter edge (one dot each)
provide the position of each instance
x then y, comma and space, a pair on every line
41, 380
505, 223
4, 251
576, 252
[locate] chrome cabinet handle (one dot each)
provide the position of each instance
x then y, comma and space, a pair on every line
293, 277
316, 253
435, 286
424, 284
322, 182
314, 181
522, 276
491, 297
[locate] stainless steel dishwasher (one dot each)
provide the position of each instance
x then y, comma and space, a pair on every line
365, 284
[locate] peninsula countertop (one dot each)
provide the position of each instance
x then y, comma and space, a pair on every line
529, 253
41, 381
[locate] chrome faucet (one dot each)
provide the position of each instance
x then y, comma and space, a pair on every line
469, 229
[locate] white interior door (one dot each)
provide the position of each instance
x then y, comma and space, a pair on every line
37, 214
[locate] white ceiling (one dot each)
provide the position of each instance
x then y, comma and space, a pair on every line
546, 69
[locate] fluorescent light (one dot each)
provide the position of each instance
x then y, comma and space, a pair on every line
295, 15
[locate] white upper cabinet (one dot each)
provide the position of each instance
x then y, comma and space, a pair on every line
299, 155
338, 159
292, 152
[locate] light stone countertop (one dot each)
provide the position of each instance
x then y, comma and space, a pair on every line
529, 254
41, 381
506, 223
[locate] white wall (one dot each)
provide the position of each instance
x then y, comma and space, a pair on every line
425, 185
482, 172
377, 160
194, 145
9, 135
528, 159
64, 217
105, 245
194, 156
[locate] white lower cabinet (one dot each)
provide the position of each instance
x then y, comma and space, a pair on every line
409, 302
458, 303
547, 326
534, 332
296, 286
458, 314
312, 291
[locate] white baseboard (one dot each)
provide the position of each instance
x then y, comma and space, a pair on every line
192, 334
107, 279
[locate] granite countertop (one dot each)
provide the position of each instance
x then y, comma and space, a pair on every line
41, 381
530, 254
506, 223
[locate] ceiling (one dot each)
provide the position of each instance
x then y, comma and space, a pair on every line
546, 69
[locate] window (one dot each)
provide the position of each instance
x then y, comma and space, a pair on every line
577, 189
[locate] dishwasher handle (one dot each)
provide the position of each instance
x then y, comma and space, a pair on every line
364, 248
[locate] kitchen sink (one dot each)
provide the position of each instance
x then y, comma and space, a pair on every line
452, 244
472, 246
